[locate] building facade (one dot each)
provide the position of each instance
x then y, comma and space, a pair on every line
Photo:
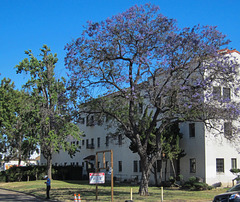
208, 156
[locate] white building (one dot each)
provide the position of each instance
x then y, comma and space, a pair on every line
5, 165
208, 156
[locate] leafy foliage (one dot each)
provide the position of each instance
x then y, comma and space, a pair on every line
236, 171
51, 116
27, 173
140, 57
16, 129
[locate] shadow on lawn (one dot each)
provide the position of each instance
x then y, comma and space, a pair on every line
68, 194
106, 184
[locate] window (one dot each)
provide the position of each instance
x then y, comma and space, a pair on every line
220, 165
226, 94
90, 120
193, 165
228, 130
192, 130
98, 142
99, 120
82, 120
119, 166
83, 142
91, 145
107, 141
135, 166
233, 163
120, 140
216, 92
87, 143
107, 165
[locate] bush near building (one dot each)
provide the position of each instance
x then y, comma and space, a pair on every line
196, 184
30, 173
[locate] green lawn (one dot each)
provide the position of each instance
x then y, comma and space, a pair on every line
65, 190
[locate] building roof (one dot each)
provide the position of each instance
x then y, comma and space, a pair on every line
226, 50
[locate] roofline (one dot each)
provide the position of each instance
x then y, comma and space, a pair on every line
227, 51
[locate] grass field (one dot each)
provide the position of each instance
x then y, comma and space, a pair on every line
65, 190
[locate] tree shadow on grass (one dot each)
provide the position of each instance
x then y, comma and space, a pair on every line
88, 194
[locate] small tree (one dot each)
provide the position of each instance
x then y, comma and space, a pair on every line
236, 172
171, 149
51, 116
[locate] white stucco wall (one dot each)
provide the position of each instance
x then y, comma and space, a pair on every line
120, 152
194, 148
206, 147
219, 147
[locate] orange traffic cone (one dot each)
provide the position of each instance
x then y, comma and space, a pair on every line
75, 198
79, 198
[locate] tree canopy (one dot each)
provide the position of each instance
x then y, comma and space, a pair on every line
15, 128
139, 63
52, 119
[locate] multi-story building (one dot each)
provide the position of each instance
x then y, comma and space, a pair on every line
209, 155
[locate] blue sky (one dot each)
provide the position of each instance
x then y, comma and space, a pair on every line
28, 24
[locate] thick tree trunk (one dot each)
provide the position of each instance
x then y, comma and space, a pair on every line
143, 188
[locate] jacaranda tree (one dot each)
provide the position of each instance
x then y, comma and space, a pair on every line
145, 73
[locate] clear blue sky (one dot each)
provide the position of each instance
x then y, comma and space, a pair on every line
28, 24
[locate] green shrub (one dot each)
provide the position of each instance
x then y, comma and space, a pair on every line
179, 178
2, 176
194, 184
29, 173
172, 180
24, 173
235, 170
14, 174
